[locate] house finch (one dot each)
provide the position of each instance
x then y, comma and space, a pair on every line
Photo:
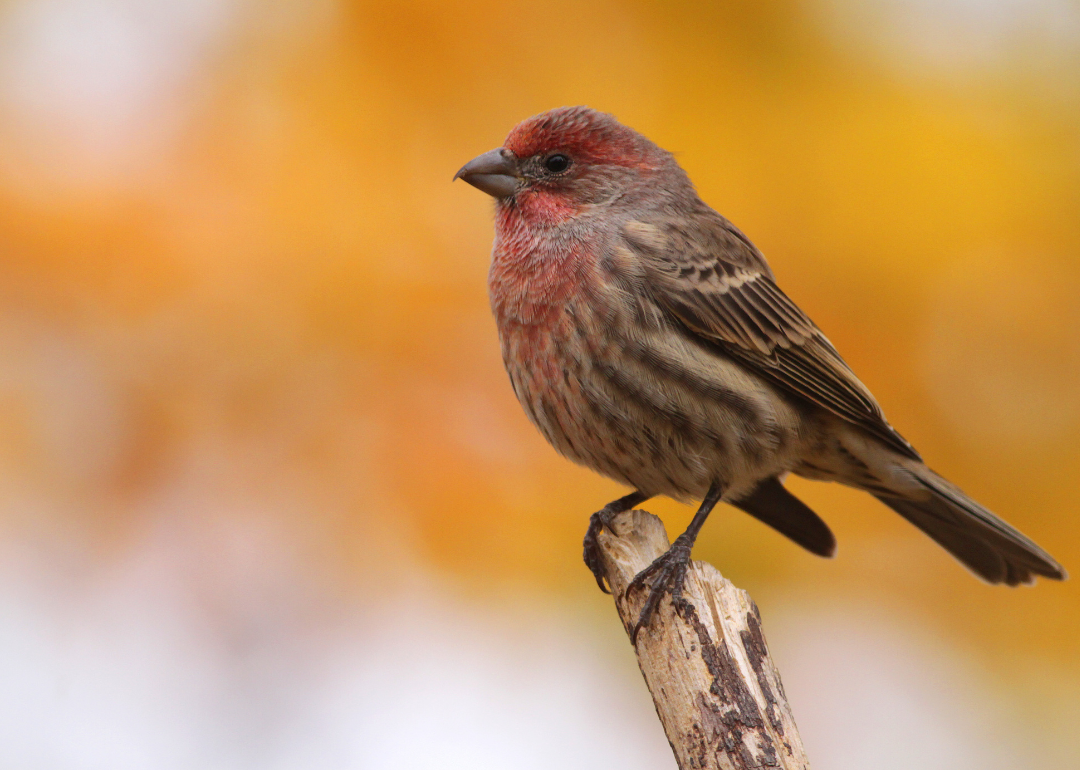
646, 338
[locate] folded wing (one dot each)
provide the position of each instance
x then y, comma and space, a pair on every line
716, 284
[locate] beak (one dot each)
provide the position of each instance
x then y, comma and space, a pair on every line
494, 172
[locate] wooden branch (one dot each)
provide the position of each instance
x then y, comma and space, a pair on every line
705, 662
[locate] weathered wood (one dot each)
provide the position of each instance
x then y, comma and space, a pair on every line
705, 661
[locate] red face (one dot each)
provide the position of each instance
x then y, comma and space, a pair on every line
563, 159
582, 135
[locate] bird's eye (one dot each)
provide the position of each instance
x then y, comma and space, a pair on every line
556, 164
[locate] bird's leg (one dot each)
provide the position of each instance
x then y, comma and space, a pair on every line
600, 521
668, 572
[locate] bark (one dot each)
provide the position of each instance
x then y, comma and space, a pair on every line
705, 660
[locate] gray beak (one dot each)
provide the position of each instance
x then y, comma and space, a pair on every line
494, 172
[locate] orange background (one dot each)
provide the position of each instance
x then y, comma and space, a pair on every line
268, 499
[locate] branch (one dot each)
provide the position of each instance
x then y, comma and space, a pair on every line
705, 661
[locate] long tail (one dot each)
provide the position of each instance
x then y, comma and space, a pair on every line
988, 546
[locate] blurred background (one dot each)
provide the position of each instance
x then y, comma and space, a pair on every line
267, 498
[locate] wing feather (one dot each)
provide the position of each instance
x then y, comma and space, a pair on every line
716, 284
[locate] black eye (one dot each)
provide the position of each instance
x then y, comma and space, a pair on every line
556, 164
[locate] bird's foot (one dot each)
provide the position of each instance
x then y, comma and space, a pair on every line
598, 522
665, 575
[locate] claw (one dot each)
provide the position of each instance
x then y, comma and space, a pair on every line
670, 568
600, 521
670, 571
597, 524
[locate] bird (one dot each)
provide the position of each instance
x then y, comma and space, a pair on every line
646, 338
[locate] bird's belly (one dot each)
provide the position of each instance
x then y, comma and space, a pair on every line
654, 428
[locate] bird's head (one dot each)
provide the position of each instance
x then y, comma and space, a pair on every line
565, 159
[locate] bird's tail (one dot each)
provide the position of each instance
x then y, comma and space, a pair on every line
985, 544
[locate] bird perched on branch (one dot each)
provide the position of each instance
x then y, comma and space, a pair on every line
647, 339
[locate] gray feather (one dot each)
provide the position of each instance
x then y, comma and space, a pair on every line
988, 546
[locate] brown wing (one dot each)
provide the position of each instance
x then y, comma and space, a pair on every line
717, 284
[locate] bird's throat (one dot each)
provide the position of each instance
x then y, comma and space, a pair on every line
535, 272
